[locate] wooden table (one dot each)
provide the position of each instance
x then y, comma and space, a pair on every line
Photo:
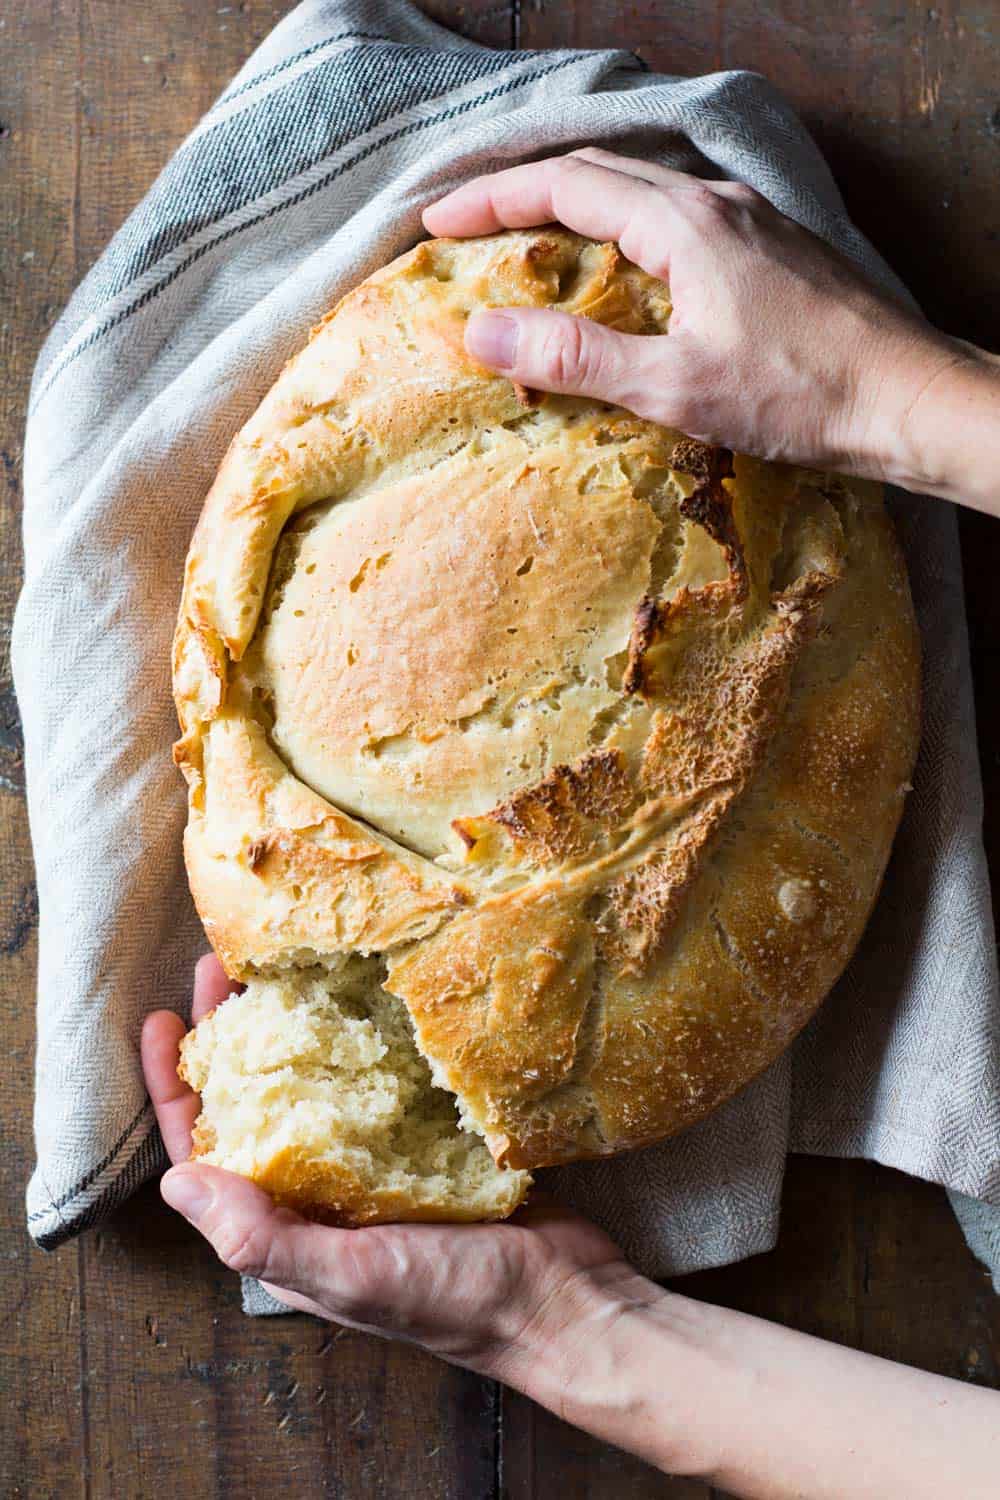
128, 1369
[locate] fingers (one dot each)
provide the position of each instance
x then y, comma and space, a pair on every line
176, 1105
650, 210
245, 1228
666, 177
212, 985
553, 351
593, 199
631, 166
333, 1272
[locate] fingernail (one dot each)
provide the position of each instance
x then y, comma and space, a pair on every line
188, 1193
492, 338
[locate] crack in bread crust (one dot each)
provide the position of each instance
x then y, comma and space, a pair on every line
595, 733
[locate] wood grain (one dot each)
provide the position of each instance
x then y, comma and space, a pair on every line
126, 1364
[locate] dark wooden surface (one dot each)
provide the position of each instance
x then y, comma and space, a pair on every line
126, 1366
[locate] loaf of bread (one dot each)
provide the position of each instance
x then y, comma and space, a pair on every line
543, 763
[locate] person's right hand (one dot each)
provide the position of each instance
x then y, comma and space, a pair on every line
777, 346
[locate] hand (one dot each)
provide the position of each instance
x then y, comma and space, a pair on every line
777, 346
488, 1296
546, 1303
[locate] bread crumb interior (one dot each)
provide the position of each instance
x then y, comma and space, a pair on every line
322, 1062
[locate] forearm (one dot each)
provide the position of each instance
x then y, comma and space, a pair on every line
757, 1409
939, 432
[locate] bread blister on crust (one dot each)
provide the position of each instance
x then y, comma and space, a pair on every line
592, 740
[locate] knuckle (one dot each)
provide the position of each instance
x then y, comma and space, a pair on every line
564, 356
245, 1249
701, 198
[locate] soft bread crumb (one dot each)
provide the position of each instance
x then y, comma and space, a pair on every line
312, 1085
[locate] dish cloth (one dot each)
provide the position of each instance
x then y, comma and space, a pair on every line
309, 173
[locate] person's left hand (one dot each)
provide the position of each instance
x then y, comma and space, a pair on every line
488, 1296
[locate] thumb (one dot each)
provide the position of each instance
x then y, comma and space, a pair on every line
554, 351
254, 1236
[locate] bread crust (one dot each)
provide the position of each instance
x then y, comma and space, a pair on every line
599, 736
329, 1194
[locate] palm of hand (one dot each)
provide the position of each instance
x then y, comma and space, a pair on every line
466, 1292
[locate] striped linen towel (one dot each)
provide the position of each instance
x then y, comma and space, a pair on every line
309, 172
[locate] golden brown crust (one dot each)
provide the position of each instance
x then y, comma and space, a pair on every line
276, 872
598, 735
330, 1194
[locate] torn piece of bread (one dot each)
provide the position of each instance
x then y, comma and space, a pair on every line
312, 1085
591, 738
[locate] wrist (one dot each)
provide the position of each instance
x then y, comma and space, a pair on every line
939, 429
616, 1355
747, 1406
896, 367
